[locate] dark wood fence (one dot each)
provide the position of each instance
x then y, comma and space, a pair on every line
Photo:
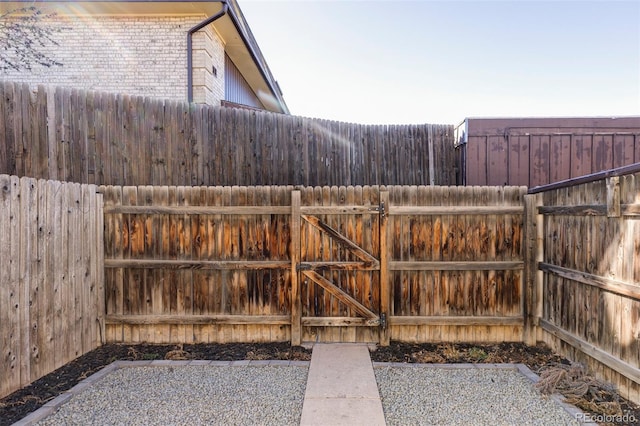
314, 264
51, 277
456, 260
588, 291
109, 139
539, 151
197, 264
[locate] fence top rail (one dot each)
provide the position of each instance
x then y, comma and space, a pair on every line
179, 210
620, 171
430, 210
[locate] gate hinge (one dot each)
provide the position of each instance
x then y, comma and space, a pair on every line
383, 321
380, 209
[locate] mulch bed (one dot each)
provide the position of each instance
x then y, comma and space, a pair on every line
537, 358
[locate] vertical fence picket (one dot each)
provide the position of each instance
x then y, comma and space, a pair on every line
8, 296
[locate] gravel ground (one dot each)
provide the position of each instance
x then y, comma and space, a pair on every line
189, 395
45, 390
469, 396
266, 394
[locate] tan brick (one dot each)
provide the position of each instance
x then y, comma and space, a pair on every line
137, 55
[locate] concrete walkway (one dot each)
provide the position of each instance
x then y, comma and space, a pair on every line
341, 388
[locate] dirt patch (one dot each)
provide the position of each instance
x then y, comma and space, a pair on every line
515, 353
537, 358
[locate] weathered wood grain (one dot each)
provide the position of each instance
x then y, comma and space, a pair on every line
9, 363
455, 320
113, 139
296, 293
589, 267
48, 273
193, 261
190, 320
340, 294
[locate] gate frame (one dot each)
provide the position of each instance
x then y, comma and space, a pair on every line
296, 270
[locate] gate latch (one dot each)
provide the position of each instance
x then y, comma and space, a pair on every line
383, 321
380, 209
303, 267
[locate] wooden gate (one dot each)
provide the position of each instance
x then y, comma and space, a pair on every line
347, 264
338, 288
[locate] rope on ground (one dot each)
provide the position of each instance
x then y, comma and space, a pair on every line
580, 389
178, 354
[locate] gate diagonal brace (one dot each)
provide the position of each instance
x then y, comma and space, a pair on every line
344, 241
340, 294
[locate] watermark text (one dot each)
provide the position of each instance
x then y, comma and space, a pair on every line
629, 418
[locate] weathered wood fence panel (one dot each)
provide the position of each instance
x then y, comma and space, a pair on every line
109, 139
456, 260
214, 263
205, 264
589, 294
353, 267
51, 277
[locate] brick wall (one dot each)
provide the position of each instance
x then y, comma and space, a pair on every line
208, 52
137, 55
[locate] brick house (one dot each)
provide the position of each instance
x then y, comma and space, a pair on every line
200, 51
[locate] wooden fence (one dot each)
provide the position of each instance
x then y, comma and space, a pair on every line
588, 274
364, 263
456, 260
539, 151
356, 264
51, 276
109, 139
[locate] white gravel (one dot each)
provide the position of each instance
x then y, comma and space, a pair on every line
268, 394
471, 396
189, 395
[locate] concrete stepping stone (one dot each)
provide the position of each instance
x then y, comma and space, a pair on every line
341, 387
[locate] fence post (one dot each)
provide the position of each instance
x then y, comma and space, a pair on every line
100, 302
296, 327
532, 306
385, 298
613, 196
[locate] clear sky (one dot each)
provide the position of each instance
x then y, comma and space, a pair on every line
411, 62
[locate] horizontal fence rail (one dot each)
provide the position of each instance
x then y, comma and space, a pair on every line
108, 139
